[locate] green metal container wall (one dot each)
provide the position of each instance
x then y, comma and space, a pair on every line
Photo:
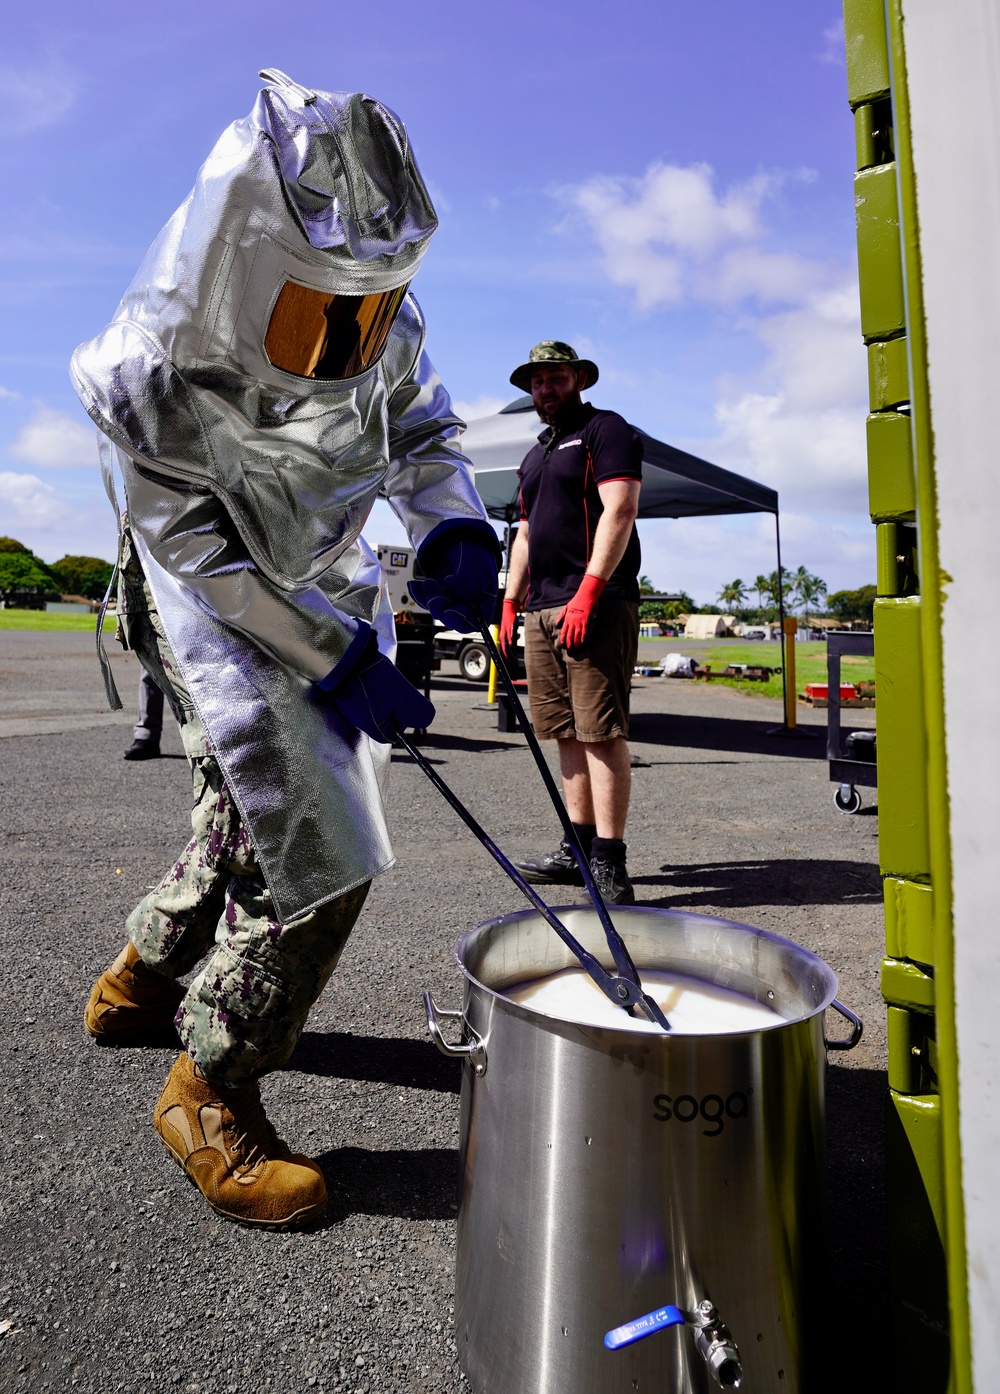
896, 559
921, 1109
888, 374
892, 489
909, 923
912, 1051
880, 261
905, 984
867, 50
904, 846
915, 1204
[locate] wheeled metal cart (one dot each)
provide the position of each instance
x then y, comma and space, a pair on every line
851, 754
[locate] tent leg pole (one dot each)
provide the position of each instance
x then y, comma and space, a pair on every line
786, 728
781, 623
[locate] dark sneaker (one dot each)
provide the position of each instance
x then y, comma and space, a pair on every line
612, 881
143, 750
557, 868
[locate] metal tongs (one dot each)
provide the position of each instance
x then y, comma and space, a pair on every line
622, 987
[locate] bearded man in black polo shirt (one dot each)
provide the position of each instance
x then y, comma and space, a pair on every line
574, 567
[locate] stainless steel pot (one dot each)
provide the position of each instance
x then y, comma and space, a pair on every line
606, 1173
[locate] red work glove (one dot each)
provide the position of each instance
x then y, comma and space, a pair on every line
576, 615
508, 623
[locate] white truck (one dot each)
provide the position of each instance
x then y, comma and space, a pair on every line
467, 649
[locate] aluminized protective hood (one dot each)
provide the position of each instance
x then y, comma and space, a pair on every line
315, 187
247, 487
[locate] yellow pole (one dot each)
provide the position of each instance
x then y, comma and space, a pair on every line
789, 627
491, 691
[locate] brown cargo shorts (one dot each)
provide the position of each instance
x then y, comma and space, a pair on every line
584, 694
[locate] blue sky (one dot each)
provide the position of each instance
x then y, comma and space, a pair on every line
665, 186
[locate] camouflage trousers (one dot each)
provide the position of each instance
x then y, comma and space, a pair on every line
246, 1008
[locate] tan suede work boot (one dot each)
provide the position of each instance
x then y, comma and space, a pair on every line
222, 1139
131, 1005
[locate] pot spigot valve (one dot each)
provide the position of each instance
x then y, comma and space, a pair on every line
715, 1345
713, 1339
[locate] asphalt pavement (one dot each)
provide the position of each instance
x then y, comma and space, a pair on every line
116, 1276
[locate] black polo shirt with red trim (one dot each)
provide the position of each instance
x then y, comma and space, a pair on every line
561, 501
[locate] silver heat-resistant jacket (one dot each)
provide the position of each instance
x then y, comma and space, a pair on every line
247, 487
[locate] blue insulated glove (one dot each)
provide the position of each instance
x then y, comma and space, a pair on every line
458, 580
373, 695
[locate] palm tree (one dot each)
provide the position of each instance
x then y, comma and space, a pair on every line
798, 579
809, 589
777, 594
733, 594
646, 586
760, 586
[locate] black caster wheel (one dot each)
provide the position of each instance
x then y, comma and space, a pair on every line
847, 798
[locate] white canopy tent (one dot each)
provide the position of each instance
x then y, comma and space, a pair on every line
674, 483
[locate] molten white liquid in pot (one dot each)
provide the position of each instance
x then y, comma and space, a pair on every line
692, 1007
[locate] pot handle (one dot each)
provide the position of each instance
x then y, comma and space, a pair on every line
473, 1050
857, 1027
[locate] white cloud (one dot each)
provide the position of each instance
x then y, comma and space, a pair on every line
52, 526
6, 395
27, 499
438, 197
35, 96
670, 238
483, 405
832, 51
797, 422
55, 440
700, 555
58, 249
753, 273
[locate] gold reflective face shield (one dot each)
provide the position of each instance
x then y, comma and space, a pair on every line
319, 334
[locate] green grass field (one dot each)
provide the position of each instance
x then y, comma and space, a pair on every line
810, 658
52, 621
810, 662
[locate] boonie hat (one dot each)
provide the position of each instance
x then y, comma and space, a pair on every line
552, 351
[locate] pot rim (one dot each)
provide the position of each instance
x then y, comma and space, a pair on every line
536, 1015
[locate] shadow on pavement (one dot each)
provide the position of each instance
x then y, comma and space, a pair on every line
449, 744
781, 881
725, 733
163, 755
450, 684
382, 1059
475, 744
859, 1274
417, 1185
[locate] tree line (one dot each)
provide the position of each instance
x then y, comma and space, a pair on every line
793, 590
26, 580
798, 591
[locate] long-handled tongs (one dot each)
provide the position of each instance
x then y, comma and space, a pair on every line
624, 987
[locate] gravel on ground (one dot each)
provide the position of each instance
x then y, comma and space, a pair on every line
117, 1277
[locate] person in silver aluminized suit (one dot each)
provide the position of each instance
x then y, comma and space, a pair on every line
263, 380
